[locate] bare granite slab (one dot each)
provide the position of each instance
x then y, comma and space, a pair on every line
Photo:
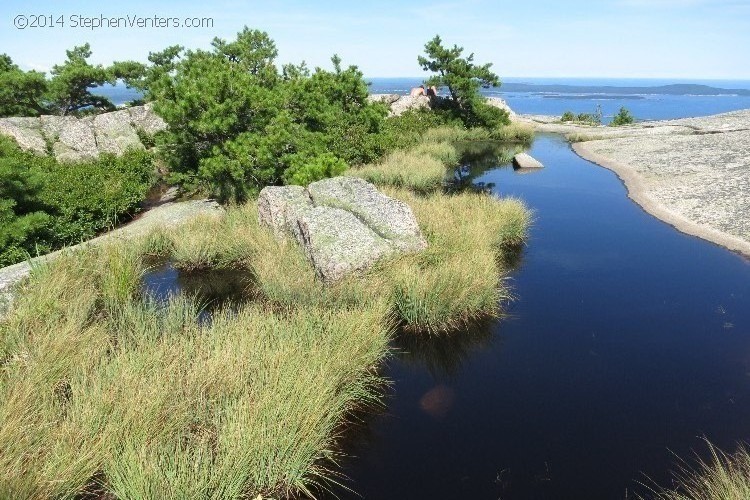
698, 181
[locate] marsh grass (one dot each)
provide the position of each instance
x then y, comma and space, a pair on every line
513, 132
722, 477
104, 391
415, 170
451, 134
426, 167
157, 405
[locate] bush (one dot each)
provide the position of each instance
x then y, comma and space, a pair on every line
45, 205
622, 118
237, 124
319, 167
568, 116
88, 197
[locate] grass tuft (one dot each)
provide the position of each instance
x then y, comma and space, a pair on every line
722, 477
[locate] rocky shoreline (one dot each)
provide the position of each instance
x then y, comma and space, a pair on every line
693, 173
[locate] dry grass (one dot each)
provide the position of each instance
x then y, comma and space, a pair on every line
413, 169
723, 477
103, 391
143, 401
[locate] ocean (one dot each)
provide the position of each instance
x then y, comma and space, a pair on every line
646, 99
585, 94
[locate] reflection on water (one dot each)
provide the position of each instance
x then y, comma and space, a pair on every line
213, 288
628, 340
437, 401
443, 355
477, 157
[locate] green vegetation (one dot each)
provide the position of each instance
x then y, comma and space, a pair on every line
68, 91
723, 477
463, 79
20, 91
45, 205
317, 168
568, 116
594, 118
422, 169
107, 393
237, 123
512, 133
623, 117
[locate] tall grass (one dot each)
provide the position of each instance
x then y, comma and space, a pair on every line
453, 134
104, 392
143, 401
459, 278
423, 169
513, 132
722, 477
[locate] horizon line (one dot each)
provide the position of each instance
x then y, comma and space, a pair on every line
696, 78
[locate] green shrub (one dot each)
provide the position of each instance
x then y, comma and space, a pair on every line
45, 205
315, 169
88, 197
148, 140
237, 123
623, 117
568, 116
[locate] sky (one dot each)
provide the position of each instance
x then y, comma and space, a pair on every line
680, 39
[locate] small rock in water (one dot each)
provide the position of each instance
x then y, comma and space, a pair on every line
524, 160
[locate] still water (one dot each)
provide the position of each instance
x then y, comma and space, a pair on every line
627, 340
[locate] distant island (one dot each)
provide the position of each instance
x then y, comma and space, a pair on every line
674, 89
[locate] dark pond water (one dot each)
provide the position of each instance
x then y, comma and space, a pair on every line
213, 289
627, 340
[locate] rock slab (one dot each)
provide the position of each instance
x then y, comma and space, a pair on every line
280, 208
400, 104
74, 139
526, 161
337, 243
497, 102
344, 224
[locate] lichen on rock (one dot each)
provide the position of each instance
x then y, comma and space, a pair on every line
344, 224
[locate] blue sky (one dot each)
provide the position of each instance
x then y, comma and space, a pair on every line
609, 38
